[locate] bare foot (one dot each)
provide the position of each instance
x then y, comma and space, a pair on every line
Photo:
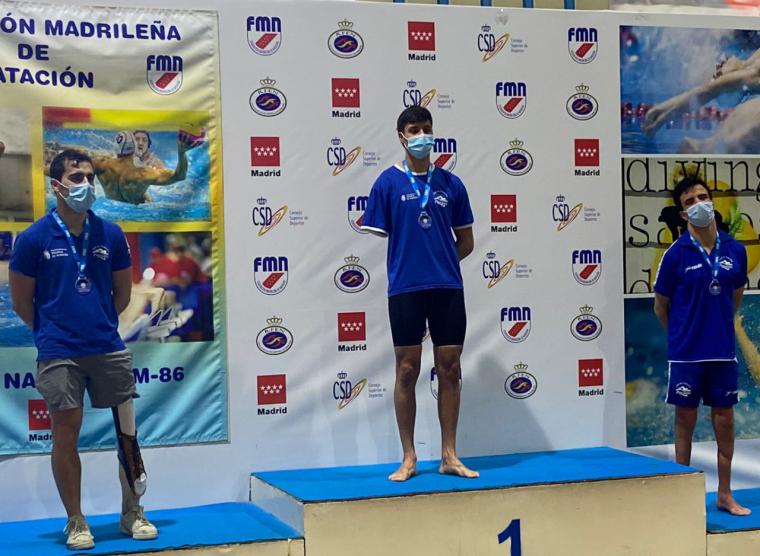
453, 466
727, 503
406, 471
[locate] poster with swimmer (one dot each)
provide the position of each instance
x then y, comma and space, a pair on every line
137, 90
688, 90
149, 166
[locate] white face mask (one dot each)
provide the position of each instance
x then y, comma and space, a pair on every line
701, 214
420, 145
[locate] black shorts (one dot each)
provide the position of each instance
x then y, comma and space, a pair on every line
442, 309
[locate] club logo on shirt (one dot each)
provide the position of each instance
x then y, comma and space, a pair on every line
352, 277
511, 98
445, 153
54, 253
270, 274
583, 44
413, 96
356, 205
345, 43
582, 106
266, 100
515, 324
493, 271
274, 339
346, 93
520, 384
586, 327
421, 38
516, 161
488, 44
441, 199
264, 34
338, 158
101, 252
726, 263
164, 73
587, 266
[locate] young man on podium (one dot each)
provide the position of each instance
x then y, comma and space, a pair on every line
425, 213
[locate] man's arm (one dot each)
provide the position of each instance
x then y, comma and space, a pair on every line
662, 309
122, 288
738, 293
465, 241
22, 296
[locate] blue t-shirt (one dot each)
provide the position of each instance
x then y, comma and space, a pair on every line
701, 325
419, 259
66, 323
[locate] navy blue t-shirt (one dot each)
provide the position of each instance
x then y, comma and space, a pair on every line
66, 323
419, 259
701, 325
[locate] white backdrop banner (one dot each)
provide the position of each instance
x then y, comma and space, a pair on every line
525, 108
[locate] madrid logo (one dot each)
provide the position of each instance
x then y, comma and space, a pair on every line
266, 100
345, 42
164, 73
274, 339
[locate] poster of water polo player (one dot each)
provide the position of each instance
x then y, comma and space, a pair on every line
150, 166
689, 90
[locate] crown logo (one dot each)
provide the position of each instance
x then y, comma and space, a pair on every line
490, 255
560, 198
582, 88
342, 375
520, 367
267, 82
587, 310
516, 143
411, 83
274, 321
351, 259
335, 141
486, 28
261, 201
345, 24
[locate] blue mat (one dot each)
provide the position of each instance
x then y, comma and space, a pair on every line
723, 522
566, 466
179, 528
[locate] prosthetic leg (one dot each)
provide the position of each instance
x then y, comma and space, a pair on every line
128, 448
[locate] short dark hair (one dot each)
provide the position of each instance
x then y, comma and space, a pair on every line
58, 164
684, 185
412, 115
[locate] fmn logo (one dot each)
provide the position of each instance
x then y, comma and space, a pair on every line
445, 153
515, 323
270, 274
511, 98
583, 44
587, 266
355, 207
164, 73
264, 34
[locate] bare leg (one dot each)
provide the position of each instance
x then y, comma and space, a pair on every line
408, 359
686, 418
67, 468
723, 425
449, 370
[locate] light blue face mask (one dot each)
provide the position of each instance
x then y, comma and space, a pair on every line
81, 197
420, 146
701, 214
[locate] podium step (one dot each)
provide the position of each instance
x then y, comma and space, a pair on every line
584, 502
729, 535
233, 529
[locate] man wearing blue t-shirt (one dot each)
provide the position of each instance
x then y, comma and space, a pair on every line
70, 277
698, 290
425, 213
